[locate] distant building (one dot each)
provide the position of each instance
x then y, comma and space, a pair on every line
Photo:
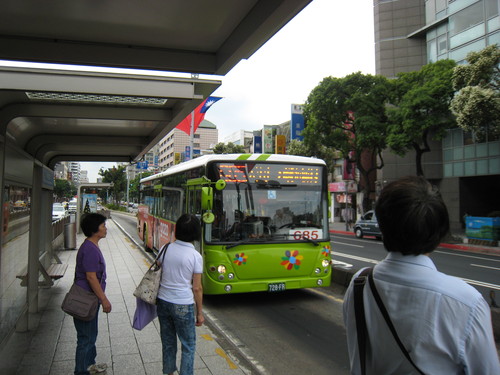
61, 171
241, 138
74, 172
175, 142
84, 178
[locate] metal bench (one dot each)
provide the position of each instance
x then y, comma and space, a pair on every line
54, 272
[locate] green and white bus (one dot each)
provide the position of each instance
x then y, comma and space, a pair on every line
264, 217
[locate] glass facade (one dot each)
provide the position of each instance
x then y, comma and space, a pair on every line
467, 26
470, 26
466, 154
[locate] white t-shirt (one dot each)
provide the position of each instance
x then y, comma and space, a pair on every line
181, 262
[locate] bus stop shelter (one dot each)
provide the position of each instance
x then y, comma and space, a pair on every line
50, 114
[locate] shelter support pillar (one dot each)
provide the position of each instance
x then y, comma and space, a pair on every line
35, 240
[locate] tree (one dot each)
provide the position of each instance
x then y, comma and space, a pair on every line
64, 189
230, 148
118, 178
134, 185
300, 148
347, 114
420, 109
477, 104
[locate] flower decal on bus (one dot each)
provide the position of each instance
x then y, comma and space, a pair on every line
326, 250
240, 259
292, 259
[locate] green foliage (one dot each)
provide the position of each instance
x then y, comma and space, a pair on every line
419, 108
348, 114
300, 148
64, 189
230, 148
477, 104
118, 178
134, 185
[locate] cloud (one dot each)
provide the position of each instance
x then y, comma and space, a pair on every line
328, 38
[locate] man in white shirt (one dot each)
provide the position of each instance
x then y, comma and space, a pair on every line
443, 323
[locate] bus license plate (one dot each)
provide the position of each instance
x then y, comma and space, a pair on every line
276, 287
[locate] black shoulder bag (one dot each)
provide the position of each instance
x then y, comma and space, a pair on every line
359, 311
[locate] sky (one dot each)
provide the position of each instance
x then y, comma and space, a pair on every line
328, 38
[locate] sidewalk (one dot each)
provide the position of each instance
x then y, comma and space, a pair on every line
340, 228
49, 347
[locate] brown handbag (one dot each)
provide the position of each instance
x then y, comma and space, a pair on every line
80, 303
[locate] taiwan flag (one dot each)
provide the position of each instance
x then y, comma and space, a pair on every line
199, 115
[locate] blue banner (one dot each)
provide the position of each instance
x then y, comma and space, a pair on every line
257, 144
187, 153
297, 122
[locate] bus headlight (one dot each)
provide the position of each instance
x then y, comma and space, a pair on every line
325, 263
221, 269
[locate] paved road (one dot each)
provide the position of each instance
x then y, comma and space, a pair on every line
480, 270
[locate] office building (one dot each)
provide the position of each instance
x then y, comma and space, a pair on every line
176, 141
408, 35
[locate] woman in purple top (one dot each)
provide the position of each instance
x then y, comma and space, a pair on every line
90, 274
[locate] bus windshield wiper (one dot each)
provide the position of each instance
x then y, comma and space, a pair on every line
245, 241
311, 241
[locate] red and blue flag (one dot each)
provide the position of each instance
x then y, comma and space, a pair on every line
199, 115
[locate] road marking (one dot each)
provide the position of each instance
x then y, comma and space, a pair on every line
480, 265
326, 295
480, 283
473, 282
355, 257
467, 256
352, 238
223, 354
338, 263
343, 243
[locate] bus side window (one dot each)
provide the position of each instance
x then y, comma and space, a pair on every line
194, 201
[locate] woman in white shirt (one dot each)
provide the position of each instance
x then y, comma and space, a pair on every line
180, 296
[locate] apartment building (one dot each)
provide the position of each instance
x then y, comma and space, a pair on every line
175, 142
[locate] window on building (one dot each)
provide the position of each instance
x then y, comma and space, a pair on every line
466, 18
491, 8
442, 44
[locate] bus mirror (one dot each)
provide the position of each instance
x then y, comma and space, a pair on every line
220, 184
208, 217
207, 198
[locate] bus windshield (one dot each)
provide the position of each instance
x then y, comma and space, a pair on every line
269, 202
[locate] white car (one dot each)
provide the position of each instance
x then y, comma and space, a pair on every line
58, 212
72, 206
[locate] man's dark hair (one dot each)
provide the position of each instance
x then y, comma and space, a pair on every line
188, 228
412, 216
90, 223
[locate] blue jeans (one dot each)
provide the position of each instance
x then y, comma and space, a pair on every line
177, 320
86, 334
